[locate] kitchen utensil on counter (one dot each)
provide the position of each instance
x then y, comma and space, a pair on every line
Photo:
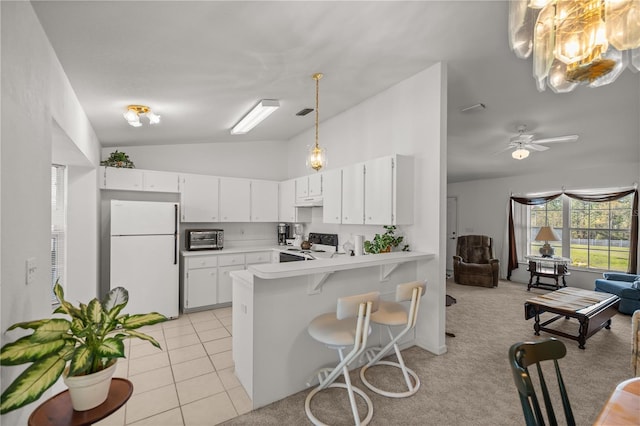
284, 233
348, 248
298, 234
305, 245
358, 245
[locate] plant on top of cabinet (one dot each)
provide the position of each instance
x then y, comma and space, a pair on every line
385, 242
118, 159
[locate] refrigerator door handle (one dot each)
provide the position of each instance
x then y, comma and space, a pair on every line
175, 234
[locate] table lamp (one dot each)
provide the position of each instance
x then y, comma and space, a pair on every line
546, 234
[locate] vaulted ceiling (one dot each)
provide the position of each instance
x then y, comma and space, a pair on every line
201, 65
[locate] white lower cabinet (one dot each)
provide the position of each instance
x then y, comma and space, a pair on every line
206, 279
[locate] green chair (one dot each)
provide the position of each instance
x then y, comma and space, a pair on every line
521, 356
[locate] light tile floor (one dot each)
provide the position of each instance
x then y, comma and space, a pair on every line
190, 381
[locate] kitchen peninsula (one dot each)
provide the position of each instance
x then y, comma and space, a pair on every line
273, 303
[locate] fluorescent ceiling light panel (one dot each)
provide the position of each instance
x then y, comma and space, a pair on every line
261, 111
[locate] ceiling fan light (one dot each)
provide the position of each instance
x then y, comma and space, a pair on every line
153, 118
135, 123
130, 116
520, 154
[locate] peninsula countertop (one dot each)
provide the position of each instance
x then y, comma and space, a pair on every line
339, 262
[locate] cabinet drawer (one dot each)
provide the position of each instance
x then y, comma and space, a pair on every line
231, 259
202, 262
258, 257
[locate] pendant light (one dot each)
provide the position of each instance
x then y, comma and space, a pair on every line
317, 158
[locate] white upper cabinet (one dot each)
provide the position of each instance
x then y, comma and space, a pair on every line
315, 185
302, 187
160, 181
199, 198
139, 180
235, 200
264, 201
286, 199
378, 191
121, 178
353, 194
309, 187
332, 198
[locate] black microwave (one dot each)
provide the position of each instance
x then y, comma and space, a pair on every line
204, 239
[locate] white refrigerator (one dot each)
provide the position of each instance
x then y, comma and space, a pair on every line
144, 255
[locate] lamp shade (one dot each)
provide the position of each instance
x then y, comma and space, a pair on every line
546, 233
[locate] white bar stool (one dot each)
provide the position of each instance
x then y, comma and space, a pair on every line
348, 326
393, 314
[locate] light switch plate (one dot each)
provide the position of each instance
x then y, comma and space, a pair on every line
31, 270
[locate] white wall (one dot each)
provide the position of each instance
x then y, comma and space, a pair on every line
257, 160
35, 93
408, 118
483, 205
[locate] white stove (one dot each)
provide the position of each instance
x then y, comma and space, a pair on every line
323, 246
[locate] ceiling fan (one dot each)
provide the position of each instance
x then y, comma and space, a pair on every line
524, 142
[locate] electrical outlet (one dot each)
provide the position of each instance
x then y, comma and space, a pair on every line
31, 270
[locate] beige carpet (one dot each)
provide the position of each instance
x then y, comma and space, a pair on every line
471, 384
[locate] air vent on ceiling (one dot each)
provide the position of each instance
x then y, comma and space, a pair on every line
304, 111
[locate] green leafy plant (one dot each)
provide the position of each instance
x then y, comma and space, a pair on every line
382, 243
118, 159
91, 341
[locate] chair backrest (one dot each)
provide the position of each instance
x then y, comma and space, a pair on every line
348, 306
521, 356
412, 291
475, 248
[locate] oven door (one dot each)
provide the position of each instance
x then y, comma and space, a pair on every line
288, 257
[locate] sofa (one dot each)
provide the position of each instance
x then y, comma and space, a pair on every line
625, 286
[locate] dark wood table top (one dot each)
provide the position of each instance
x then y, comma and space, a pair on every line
570, 299
57, 410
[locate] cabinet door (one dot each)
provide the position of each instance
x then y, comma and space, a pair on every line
235, 200
332, 196
286, 199
201, 287
302, 187
315, 184
199, 198
225, 288
378, 191
121, 178
160, 181
264, 201
353, 194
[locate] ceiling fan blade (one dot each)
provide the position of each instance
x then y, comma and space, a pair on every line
568, 138
536, 147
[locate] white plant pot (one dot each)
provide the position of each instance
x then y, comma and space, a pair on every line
91, 390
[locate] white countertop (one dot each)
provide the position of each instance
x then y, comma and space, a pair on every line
339, 262
233, 250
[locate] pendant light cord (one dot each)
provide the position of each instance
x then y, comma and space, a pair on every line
317, 78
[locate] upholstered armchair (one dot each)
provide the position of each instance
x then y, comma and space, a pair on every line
474, 263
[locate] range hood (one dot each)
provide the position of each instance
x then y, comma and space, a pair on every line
309, 202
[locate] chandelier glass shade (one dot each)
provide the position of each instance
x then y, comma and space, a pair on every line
135, 111
520, 153
576, 42
317, 157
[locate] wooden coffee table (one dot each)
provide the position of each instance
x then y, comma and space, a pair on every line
592, 309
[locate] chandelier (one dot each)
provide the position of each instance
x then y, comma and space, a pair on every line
317, 157
135, 111
576, 41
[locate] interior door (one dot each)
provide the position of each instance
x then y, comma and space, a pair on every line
452, 231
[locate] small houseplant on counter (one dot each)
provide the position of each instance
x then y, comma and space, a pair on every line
91, 342
386, 242
118, 159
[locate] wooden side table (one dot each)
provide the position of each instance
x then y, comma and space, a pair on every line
547, 267
57, 410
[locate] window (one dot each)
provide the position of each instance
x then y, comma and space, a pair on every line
599, 232
58, 224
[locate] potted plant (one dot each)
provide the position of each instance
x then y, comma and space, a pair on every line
385, 242
90, 341
118, 159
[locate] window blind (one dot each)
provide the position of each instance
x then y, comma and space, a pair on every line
58, 224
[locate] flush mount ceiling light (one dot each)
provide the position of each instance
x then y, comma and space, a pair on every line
576, 41
254, 117
317, 157
135, 111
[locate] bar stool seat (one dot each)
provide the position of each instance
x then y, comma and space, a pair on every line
348, 326
392, 314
